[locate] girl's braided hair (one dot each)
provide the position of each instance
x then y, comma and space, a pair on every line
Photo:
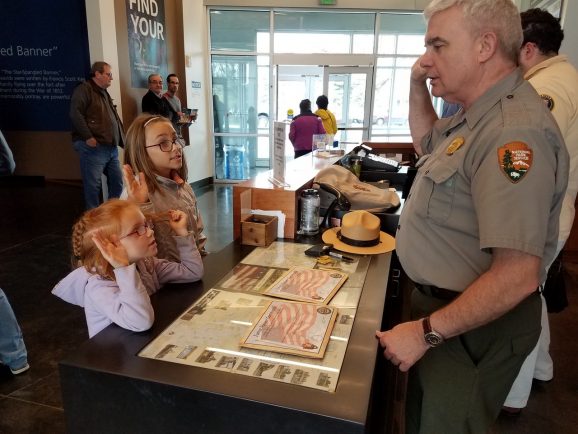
106, 219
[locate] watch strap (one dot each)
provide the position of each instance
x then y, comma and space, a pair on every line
426, 325
431, 337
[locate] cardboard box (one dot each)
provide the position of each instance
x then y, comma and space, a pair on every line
258, 230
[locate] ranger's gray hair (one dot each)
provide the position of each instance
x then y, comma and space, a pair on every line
499, 16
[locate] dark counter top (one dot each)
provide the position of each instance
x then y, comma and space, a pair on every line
108, 388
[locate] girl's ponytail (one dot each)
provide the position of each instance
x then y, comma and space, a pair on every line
78, 231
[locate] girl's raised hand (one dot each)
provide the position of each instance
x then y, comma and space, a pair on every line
112, 249
137, 190
178, 222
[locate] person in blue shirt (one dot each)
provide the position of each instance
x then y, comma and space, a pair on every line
12, 349
449, 109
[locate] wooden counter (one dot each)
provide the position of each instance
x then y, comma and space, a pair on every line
260, 193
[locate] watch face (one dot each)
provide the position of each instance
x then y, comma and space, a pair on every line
433, 339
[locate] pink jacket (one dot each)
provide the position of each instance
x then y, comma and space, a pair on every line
126, 301
302, 129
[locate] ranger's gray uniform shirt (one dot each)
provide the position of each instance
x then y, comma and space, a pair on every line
503, 187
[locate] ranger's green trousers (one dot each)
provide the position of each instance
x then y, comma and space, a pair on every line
460, 386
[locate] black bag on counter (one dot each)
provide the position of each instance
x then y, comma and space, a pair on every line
554, 289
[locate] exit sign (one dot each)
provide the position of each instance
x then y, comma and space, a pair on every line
327, 2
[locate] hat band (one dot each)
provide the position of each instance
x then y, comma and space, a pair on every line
357, 243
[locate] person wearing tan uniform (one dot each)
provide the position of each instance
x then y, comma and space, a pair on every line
480, 223
556, 80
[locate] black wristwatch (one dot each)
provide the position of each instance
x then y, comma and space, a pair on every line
431, 337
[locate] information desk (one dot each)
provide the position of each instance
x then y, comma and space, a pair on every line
261, 193
107, 388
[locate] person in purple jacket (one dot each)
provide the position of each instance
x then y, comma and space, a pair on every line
114, 249
303, 127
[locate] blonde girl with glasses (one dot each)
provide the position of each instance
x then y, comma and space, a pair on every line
114, 251
155, 152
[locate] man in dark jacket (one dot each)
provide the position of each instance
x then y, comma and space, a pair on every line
96, 132
153, 101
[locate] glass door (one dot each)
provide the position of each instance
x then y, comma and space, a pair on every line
349, 92
296, 83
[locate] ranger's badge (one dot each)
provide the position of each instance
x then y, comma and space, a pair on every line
455, 145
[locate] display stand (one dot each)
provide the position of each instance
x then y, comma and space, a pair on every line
279, 133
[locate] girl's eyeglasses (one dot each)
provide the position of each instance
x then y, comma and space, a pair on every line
169, 145
141, 230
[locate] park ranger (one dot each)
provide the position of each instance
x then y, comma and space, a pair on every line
480, 223
556, 80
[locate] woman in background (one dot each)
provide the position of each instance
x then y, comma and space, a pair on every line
303, 127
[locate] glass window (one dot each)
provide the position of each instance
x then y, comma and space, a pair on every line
405, 61
363, 44
240, 106
243, 113
383, 89
347, 92
240, 30
262, 96
263, 42
295, 83
240, 86
262, 151
386, 43
391, 97
410, 44
401, 33
401, 38
323, 32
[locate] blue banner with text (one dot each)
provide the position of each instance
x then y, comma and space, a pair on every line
43, 55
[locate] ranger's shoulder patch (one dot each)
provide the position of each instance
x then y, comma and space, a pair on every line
515, 160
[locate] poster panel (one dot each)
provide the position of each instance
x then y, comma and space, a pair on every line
146, 40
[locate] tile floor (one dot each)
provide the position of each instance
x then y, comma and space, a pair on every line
34, 254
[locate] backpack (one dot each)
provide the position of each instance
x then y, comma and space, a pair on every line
358, 195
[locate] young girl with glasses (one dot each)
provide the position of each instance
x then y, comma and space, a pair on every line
114, 249
155, 152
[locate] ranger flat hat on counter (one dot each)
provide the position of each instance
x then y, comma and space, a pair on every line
359, 233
